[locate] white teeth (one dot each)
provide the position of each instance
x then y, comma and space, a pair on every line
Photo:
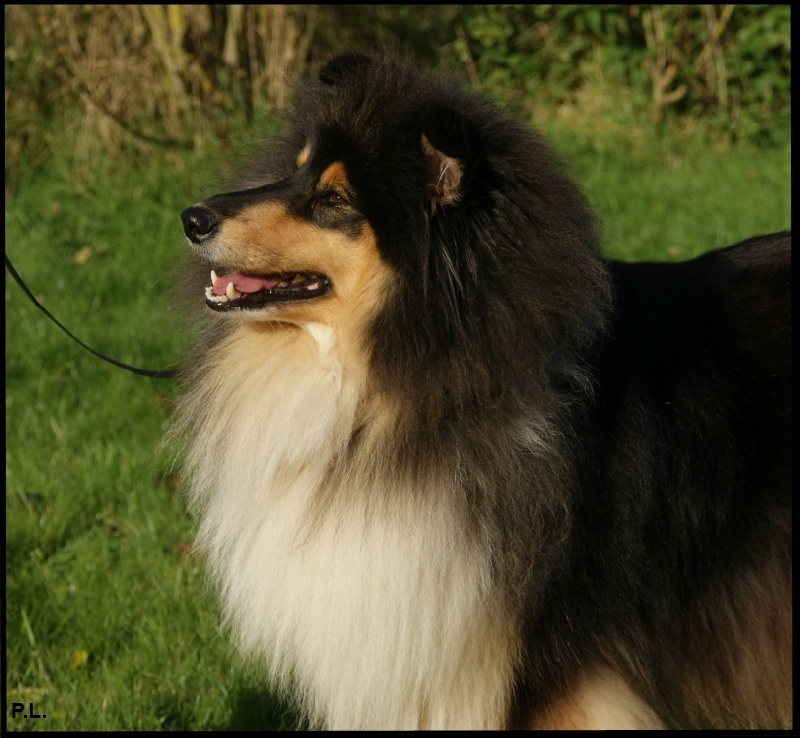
310, 281
231, 293
211, 297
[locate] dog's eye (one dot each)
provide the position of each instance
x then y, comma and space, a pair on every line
332, 198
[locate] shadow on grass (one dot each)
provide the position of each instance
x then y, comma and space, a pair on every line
260, 709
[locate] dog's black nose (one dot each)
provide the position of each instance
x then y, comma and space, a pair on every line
198, 223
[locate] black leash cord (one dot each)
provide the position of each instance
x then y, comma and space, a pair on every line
165, 374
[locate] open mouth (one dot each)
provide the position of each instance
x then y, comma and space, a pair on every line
239, 291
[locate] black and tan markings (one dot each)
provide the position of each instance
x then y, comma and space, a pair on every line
314, 231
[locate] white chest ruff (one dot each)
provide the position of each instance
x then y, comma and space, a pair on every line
379, 612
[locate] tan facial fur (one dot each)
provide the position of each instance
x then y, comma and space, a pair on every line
302, 156
265, 239
334, 176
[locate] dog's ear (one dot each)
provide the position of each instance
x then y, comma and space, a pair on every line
342, 65
445, 144
448, 130
445, 175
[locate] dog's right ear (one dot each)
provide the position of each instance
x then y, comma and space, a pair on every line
342, 65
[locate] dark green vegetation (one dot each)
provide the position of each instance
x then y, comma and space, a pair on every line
110, 624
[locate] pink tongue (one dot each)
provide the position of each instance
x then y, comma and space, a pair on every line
243, 283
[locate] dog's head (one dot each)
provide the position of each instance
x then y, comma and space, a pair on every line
315, 234
397, 204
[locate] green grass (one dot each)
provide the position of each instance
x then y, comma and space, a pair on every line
673, 198
110, 625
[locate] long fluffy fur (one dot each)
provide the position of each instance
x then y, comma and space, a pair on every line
527, 486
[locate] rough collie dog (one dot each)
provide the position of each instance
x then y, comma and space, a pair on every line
455, 469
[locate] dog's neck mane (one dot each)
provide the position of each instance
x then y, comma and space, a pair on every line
364, 592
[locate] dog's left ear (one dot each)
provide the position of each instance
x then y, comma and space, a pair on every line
445, 144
